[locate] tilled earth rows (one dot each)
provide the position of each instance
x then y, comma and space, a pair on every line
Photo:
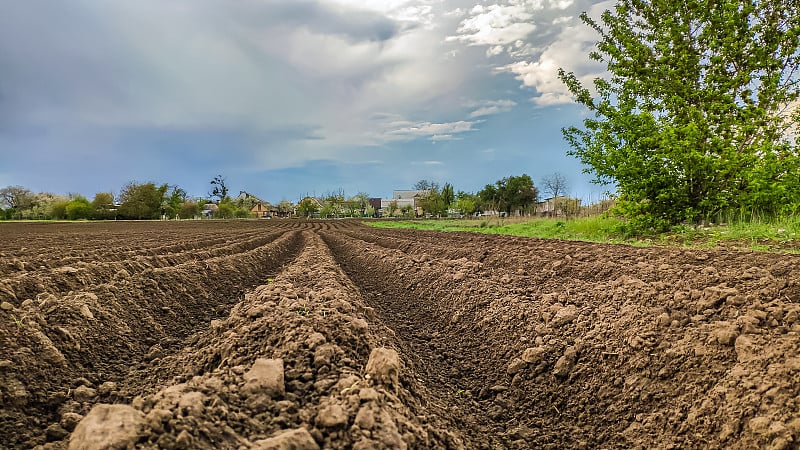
294, 334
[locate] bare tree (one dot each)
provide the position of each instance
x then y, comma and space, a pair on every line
555, 185
425, 185
220, 189
17, 197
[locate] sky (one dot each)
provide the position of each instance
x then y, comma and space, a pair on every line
285, 98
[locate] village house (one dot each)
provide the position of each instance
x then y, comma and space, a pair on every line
260, 208
209, 209
558, 206
402, 199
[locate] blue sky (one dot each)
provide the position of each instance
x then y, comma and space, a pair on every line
288, 97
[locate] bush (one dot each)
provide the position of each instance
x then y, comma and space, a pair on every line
142, 201
225, 211
58, 210
79, 208
189, 210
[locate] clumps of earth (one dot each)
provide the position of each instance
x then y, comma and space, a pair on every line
331, 334
283, 371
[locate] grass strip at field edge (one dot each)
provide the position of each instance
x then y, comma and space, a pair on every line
753, 236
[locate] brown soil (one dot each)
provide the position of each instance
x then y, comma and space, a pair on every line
295, 334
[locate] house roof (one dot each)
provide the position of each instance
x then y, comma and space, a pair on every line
245, 195
314, 199
397, 195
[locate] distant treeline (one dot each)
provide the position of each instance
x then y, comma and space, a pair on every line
147, 201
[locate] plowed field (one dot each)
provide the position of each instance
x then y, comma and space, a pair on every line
305, 335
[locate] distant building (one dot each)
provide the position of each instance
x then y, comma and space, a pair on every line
558, 206
319, 204
209, 209
375, 203
403, 199
260, 208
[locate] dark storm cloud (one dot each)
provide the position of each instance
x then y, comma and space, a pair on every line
57, 57
97, 60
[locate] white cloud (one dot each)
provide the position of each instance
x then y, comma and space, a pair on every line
458, 12
507, 22
561, 4
415, 11
533, 39
408, 130
494, 50
495, 25
542, 72
493, 107
444, 137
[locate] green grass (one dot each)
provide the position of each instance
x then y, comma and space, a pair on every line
749, 232
594, 229
755, 232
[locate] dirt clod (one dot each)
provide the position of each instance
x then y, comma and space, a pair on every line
107, 427
384, 366
332, 416
297, 439
266, 376
330, 334
84, 394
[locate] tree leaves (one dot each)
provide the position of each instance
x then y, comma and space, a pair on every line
510, 193
690, 122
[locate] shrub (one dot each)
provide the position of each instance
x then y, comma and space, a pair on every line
79, 208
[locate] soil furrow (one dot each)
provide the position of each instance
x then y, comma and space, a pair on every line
329, 334
602, 360
100, 333
310, 321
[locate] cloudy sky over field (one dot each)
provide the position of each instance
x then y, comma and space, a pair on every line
287, 97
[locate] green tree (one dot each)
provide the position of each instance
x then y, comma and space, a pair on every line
407, 211
58, 209
41, 206
307, 207
245, 201
466, 203
448, 195
392, 208
514, 193
434, 202
691, 120
285, 207
242, 213
189, 210
142, 201
103, 205
79, 208
333, 204
358, 205
173, 203
226, 210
